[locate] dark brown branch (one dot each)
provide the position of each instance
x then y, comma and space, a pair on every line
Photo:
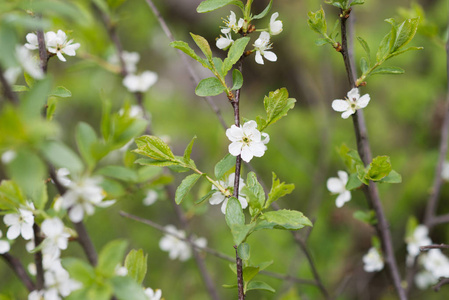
442, 282
429, 247
7, 90
371, 191
43, 56
38, 258
20, 271
186, 62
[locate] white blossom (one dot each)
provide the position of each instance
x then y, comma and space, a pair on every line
120, 270
232, 24
135, 112
36, 295
225, 42
29, 63
153, 294
4, 245
140, 83
81, 198
424, 279
373, 261
419, 238
445, 171
275, 27
58, 44
150, 198
436, 262
261, 45
20, 224
62, 176
350, 104
218, 197
130, 59
247, 141
176, 247
11, 74
57, 237
338, 186
59, 283
8, 156
32, 42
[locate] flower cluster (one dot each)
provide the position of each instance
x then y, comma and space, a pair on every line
134, 82
350, 104
218, 197
337, 185
261, 45
247, 141
176, 247
153, 294
56, 43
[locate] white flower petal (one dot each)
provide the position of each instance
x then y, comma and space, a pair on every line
334, 185
270, 56
343, 198
235, 148
340, 105
347, 113
353, 94
363, 101
246, 154
259, 58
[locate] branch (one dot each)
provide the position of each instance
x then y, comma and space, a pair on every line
18, 268
186, 62
9, 94
371, 191
429, 247
442, 282
38, 258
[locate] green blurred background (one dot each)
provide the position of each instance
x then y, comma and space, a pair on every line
403, 119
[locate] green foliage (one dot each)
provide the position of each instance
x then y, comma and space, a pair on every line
126, 288
277, 104
224, 165
379, 168
61, 156
243, 251
317, 21
209, 87
264, 12
259, 285
154, 147
368, 217
203, 45
237, 80
283, 219
211, 5
110, 257
235, 53
353, 182
255, 194
185, 186
278, 190
188, 150
11, 196
184, 47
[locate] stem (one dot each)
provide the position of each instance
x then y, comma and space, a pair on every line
239, 263
186, 62
38, 258
18, 268
440, 246
371, 191
43, 56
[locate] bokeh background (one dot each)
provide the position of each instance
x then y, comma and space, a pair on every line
403, 119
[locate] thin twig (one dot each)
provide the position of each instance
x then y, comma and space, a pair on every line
20, 271
442, 282
7, 90
38, 258
429, 247
371, 191
186, 62
43, 55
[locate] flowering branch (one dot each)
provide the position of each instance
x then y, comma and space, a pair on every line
191, 71
38, 258
20, 271
42, 50
440, 246
371, 192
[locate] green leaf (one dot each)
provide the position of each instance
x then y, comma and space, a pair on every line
249, 273
357, 2
353, 182
361, 174
259, 285
403, 51
86, 137
79, 270
184, 47
155, 163
33, 102
126, 288
264, 12
368, 217
254, 194
365, 47
278, 190
343, 4
379, 168
60, 92
136, 264
118, 172
206, 197
209, 87
10, 195
364, 66
283, 219
40, 195
317, 21
243, 251
235, 53
387, 70
20, 88
321, 42
188, 150
62, 156
203, 45
277, 104
185, 186
384, 47
110, 256
393, 177
350, 158
237, 80
154, 147
224, 165
234, 213
211, 5
405, 33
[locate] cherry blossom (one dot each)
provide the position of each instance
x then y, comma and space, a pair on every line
58, 44
350, 104
175, 246
153, 294
275, 27
20, 224
338, 186
140, 83
373, 261
232, 24
419, 238
150, 198
261, 45
247, 141
218, 197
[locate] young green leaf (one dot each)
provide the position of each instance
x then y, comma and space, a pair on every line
278, 190
188, 151
79, 270
259, 285
283, 219
155, 163
209, 87
211, 5
357, 2
317, 21
343, 4
206, 197
118, 172
277, 104
264, 12
224, 165
110, 256
154, 147
405, 33
237, 80
62, 156
387, 70
235, 53
368, 217
126, 288
249, 273
184, 47
136, 264
379, 168
364, 66
234, 213
203, 45
10, 195
254, 194
86, 137
243, 251
353, 182
365, 47
185, 186
60, 92
393, 177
